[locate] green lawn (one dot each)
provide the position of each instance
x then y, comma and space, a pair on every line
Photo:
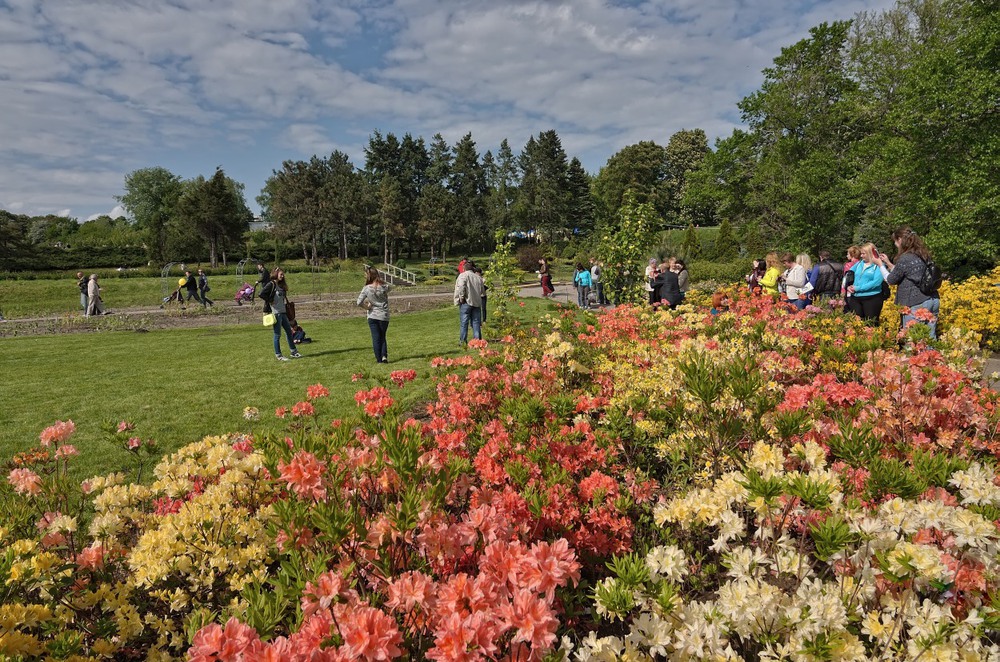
180, 385
37, 298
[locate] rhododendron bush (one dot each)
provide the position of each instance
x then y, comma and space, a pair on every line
639, 485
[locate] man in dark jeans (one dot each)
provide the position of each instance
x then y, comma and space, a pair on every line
192, 287
82, 282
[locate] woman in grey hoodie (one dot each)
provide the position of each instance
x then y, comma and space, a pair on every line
374, 298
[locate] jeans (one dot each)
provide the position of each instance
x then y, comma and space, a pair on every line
584, 295
379, 345
281, 322
801, 303
193, 294
931, 305
205, 301
83, 301
599, 289
466, 314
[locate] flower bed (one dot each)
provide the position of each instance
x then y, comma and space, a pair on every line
752, 485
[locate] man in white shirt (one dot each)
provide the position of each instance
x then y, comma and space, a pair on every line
469, 298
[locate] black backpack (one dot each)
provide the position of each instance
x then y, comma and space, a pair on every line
930, 280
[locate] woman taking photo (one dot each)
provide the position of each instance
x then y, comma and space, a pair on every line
275, 296
374, 298
912, 257
866, 289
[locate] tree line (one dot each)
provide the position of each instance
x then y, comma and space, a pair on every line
887, 119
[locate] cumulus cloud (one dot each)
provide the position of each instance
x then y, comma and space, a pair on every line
93, 90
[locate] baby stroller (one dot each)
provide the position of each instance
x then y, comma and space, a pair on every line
244, 294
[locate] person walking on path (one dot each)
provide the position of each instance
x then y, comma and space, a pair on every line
545, 277
95, 306
275, 295
191, 283
469, 299
82, 283
597, 283
374, 298
912, 258
203, 289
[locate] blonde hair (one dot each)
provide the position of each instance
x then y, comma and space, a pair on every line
804, 260
868, 252
771, 259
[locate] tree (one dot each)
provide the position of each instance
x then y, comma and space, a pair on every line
580, 210
691, 244
726, 247
391, 210
685, 152
150, 198
215, 210
468, 186
543, 198
501, 187
620, 248
640, 168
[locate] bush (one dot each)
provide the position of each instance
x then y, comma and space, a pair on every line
974, 305
528, 257
724, 272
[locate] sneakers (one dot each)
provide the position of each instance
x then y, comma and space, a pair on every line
281, 358
296, 355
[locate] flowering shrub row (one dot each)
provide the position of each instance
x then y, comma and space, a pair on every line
974, 304
751, 485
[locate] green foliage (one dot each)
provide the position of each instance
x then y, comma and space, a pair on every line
830, 536
726, 247
621, 250
691, 247
501, 279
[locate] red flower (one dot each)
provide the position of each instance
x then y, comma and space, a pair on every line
369, 634
316, 391
303, 409
400, 377
280, 412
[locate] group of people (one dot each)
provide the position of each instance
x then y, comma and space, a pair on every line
90, 295
862, 281
195, 287
666, 282
587, 281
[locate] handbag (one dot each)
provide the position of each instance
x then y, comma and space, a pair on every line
269, 319
290, 311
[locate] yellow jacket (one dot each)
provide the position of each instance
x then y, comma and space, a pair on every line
770, 280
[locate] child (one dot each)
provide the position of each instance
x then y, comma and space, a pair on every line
299, 335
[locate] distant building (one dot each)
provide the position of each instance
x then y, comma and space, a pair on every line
259, 224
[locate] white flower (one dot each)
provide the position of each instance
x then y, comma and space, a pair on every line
667, 561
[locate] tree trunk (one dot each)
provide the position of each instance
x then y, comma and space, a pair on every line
212, 248
343, 252
315, 256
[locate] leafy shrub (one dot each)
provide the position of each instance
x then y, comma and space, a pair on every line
528, 257
973, 304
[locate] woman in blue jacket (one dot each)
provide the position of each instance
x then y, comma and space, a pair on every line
583, 282
867, 288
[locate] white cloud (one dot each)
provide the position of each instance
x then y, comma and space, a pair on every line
92, 90
116, 212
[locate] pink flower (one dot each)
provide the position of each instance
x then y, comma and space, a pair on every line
316, 391
214, 643
280, 412
369, 634
322, 594
91, 558
533, 619
134, 443
243, 445
25, 481
303, 409
67, 450
304, 474
126, 426
411, 590
57, 433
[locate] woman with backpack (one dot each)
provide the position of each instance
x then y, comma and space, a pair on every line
916, 277
275, 296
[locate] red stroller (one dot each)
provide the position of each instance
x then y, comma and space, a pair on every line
244, 294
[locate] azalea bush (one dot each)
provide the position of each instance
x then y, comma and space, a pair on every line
974, 304
757, 484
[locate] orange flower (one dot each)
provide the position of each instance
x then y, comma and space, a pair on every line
304, 474
303, 409
316, 391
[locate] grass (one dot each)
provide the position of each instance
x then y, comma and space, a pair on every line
180, 385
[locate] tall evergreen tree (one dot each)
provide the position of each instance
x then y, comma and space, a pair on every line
468, 186
580, 210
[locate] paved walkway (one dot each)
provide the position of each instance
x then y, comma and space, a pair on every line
992, 368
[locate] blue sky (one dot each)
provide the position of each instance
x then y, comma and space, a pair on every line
93, 89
